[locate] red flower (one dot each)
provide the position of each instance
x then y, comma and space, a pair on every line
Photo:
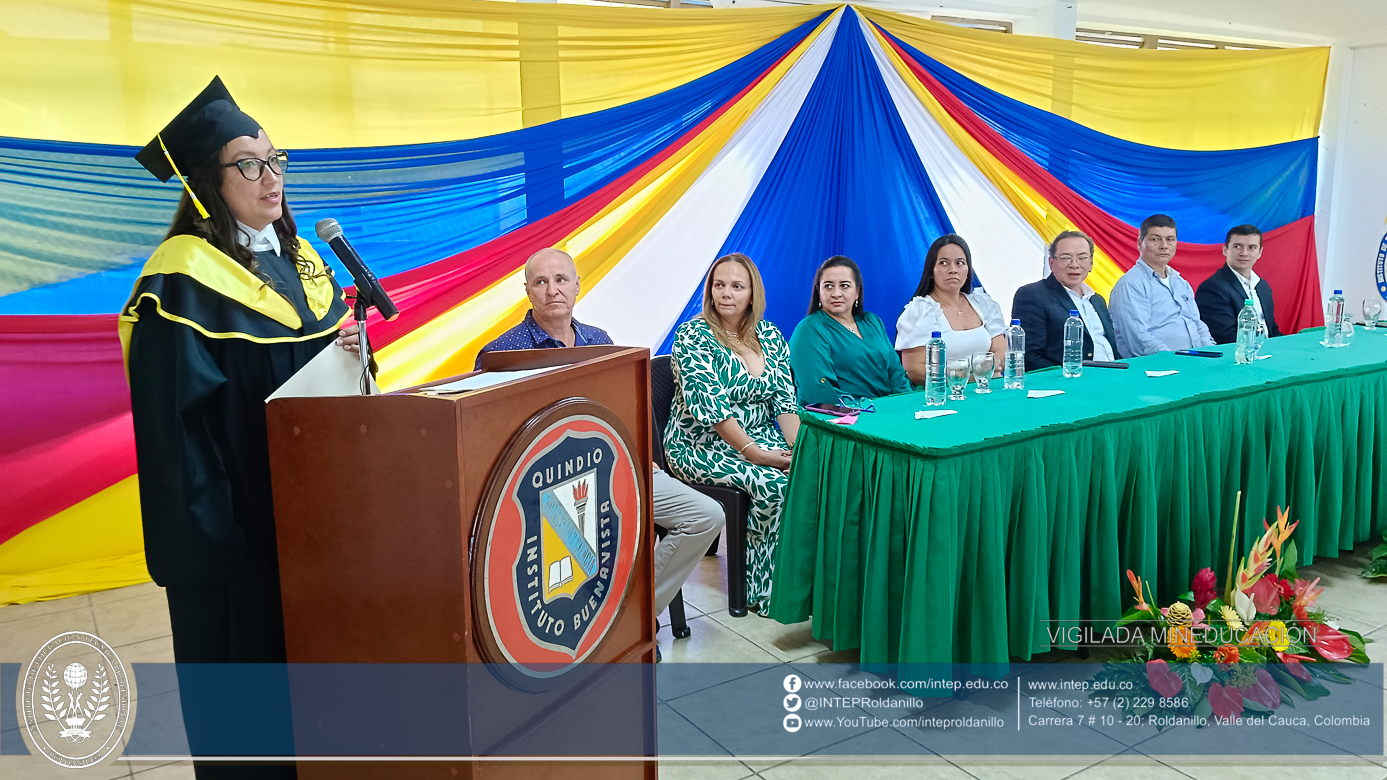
1205, 587
1301, 615
1266, 594
1142, 606
1227, 701
1265, 691
1292, 662
1228, 654
1287, 590
1307, 593
1254, 633
1166, 682
1334, 645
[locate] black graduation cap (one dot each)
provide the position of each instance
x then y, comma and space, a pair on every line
199, 130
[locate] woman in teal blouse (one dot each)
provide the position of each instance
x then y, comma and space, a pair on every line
840, 348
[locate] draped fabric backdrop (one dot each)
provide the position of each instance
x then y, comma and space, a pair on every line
453, 138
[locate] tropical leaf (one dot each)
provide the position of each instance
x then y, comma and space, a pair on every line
1288, 561
1360, 646
1328, 672
1287, 680
1204, 709
1316, 690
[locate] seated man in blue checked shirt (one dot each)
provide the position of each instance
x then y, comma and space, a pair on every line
692, 519
1153, 308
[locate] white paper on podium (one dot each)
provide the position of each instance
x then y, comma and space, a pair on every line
332, 372
483, 380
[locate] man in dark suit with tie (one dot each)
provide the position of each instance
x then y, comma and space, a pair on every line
1221, 297
1044, 306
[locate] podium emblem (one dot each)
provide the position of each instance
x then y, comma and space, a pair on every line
557, 536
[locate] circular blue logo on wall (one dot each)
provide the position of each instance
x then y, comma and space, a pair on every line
1381, 270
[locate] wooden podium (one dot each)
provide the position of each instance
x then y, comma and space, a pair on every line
392, 572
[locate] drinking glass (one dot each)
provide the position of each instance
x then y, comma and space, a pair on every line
983, 363
956, 369
1371, 310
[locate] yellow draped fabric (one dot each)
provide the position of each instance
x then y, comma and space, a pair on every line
93, 545
323, 73
434, 350
1193, 100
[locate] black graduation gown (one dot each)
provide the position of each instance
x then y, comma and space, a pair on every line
207, 343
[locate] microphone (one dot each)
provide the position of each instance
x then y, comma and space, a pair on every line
368, 288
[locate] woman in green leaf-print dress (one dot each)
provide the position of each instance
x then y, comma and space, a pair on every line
732, 386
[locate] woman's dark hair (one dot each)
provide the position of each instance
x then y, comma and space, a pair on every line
838, 261
932, 257
219, 229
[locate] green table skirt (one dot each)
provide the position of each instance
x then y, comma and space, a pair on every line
971, 557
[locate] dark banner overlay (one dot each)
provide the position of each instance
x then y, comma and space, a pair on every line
716, 710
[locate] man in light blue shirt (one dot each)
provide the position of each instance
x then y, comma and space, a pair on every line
1153, 308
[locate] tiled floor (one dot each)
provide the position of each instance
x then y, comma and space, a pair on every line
135, 622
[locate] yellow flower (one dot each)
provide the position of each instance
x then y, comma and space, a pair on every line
1230, 616
1181, 641
1277, 636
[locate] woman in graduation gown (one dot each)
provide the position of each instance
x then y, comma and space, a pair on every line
228, 307
841, 349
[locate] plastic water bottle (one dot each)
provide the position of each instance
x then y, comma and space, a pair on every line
1334, 320
936, 384
1016, 358
1073, 345
1247, 333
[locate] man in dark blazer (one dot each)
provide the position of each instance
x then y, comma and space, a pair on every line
1044, 306
1221, 297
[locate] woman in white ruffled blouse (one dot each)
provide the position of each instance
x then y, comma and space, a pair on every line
968, 320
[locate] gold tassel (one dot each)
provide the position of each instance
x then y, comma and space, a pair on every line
179, 174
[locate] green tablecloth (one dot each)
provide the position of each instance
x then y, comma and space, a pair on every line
968, 538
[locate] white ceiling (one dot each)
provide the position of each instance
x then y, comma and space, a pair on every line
1305, 22
1325, 19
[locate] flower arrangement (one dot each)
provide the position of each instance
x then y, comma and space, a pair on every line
1247, 651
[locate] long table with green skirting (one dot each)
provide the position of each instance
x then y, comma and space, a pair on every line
969, 538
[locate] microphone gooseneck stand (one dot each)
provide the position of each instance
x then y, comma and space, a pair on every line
369, 292
359, 308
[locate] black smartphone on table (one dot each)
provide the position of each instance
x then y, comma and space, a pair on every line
833, 409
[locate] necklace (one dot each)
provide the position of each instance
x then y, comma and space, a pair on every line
736, 338
957, 311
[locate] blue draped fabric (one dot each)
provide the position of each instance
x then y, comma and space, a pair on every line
846, 181
402, 206
1206, 192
